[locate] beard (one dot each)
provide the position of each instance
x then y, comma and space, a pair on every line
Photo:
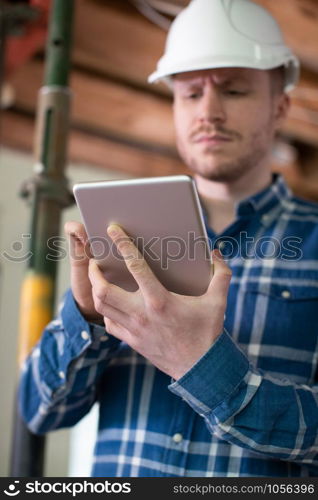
227, 170
210, 165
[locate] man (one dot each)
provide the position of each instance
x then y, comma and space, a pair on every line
223, 384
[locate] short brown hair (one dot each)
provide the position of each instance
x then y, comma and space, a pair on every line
277, 80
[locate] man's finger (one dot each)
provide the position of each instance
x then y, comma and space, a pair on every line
78, 242
75, 228
111, 312
136, 264
108, 294
220, 282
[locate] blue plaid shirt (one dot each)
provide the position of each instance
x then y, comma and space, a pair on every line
248, 407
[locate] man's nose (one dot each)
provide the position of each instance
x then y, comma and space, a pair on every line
211, 109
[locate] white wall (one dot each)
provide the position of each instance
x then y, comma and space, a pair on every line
14, 221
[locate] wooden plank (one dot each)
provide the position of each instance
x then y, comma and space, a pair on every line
306, 93
18, 130
99, 104
121, 112
117, 41
298, 128
127, 45
298, 20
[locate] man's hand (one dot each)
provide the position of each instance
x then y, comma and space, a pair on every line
79, 258
170, 330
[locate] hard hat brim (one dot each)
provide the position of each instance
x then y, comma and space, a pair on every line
292, 68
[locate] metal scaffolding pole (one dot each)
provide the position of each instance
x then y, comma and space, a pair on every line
48, 193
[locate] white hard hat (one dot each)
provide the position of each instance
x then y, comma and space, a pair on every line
225, 33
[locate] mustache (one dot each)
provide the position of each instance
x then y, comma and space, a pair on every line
228, 134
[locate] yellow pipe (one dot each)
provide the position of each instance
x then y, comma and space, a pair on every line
35, 311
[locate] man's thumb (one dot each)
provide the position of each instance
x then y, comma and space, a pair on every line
220, 281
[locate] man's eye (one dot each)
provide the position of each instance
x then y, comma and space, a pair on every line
193, 95
235, 92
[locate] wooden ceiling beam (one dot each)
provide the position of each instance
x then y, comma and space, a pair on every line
127, 45
298, 20
116, 40
145, 120
18, 130
101, 105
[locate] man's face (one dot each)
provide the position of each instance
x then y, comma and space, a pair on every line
225, 120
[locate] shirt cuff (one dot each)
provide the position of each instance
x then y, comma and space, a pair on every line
80, 332
214, 377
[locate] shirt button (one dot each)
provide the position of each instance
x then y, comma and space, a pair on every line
85, 335
265, 218
104, 338
177, 438
42, 409
62, 375
286, 294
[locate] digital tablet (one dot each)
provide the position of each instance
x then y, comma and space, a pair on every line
163, 216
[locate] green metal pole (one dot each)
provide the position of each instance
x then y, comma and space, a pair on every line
48, 193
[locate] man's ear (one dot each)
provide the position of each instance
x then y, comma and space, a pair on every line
282, 106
